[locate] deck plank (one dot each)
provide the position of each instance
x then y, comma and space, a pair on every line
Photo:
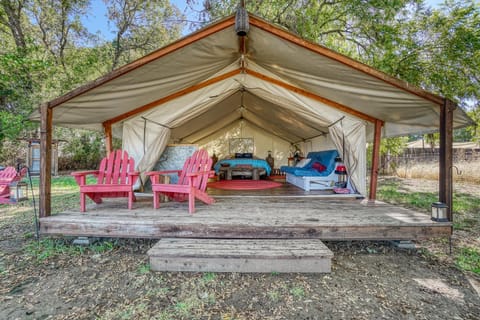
240, 255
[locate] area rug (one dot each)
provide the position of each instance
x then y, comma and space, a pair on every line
244, 184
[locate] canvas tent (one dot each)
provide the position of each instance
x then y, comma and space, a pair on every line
290, 90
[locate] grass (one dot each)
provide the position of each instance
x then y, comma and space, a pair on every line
208, 277
392, 192
297, 292
469, 260
466, 212
48, 248
144, 268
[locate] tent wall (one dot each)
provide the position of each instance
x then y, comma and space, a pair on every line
218, 142
319, 144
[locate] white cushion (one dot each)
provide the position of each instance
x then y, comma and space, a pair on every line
302, 163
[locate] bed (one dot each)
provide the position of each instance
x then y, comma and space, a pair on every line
254, 163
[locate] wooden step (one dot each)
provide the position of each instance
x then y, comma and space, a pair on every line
240, 255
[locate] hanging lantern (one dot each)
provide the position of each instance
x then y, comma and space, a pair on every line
18, 191
439, 212
341, 172
241, 22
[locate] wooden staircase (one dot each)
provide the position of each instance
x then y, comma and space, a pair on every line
240, 255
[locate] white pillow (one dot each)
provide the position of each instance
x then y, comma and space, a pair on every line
302, 163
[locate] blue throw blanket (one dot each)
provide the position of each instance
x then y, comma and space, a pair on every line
327, 158
258, 163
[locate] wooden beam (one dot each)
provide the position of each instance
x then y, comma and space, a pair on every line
266, 26
175, 95
313, 96
242, 44
375, 160
223, 24
446, 156
108, 137
45, 160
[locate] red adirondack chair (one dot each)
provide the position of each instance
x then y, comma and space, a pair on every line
8, 176
192, 181
115, 179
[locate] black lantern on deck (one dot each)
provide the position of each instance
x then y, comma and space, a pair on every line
439, 212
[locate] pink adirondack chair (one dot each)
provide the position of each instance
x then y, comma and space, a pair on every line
8, 176
115, 179
192, 181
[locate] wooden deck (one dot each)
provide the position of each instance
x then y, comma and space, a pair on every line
281, 213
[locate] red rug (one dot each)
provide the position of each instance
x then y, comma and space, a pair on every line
244, 184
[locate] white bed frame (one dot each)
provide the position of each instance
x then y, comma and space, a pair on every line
308, 183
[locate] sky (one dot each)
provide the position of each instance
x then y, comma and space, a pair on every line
97, 21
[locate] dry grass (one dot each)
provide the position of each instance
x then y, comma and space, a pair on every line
467, 172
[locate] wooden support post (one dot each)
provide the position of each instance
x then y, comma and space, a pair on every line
445, 194
107, 127
375, 160
45, 159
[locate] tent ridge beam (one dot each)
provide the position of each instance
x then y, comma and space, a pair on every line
144, 60
209, 134
262, 118
172, 96
255, 21
313, 96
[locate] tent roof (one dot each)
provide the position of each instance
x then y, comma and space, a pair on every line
257, 78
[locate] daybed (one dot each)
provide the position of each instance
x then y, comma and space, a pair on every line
317, 174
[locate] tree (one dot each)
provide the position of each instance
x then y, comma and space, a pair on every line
141, 27
348, 26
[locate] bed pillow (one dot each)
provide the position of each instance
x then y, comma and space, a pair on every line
319, 167
302, 163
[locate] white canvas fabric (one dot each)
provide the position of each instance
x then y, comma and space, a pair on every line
183, 109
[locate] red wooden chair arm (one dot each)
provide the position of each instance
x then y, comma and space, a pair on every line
193, 175
152, 173
133, 176
81, 176
211, 173
155, 174
84, 173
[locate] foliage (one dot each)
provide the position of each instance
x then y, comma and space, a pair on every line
47, 51
474, 130
418, 200
85, 150
48, 248
348, 26
388, 147
469, 260
432, 139
462, 203
466, 213
141, 27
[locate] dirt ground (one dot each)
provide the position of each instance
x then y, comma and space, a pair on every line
369, 280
